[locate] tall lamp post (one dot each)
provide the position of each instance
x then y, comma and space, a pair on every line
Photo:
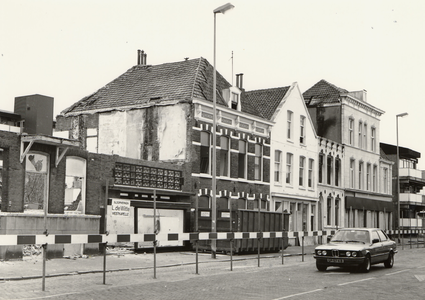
222, 9
398, 173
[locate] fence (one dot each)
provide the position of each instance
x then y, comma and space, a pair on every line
46, 239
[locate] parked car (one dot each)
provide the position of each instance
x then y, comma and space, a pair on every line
356, 247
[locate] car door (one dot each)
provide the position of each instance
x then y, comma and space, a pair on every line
386, 245
376, 249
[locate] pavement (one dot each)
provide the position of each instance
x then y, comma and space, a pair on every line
121, 259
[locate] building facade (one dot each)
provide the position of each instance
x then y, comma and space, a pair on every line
348, 119
411, 182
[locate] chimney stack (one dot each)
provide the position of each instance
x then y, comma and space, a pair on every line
239, 80
141, 58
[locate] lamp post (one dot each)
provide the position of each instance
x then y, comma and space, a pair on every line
398, 173
222, 9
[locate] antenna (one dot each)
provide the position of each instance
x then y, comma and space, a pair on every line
232, 67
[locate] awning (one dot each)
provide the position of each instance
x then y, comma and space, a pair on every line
368, 204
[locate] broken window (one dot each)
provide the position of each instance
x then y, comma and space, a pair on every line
36, 181
75, 182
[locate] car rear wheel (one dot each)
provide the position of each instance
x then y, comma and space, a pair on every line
390, 261
320, 267
365, 267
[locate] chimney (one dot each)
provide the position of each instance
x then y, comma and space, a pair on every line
239, 80
141, 58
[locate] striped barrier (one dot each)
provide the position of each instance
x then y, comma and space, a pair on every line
13, 240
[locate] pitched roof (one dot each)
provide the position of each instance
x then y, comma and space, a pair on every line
144, 85
323, 92
266, 101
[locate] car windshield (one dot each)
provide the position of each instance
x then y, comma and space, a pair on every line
351, 236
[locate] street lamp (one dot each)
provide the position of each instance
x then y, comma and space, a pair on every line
222, 9
398, 173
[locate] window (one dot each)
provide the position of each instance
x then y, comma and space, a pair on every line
360, 175
91, 140
373, 139
360, 134
310, 172
329, 210
289, 168
36, 181
277, 165
222, 203
337, 201
242, 160
385, 178
301, 171
329, 169
352, 164
321, 159
374, 178
205, 152
289, 129
75, 185
302, 130
337, 171
368, 170
204, 202
257, 161
365, 136
235, 100
351, 131
224, 156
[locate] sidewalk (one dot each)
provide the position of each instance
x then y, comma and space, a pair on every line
30, 267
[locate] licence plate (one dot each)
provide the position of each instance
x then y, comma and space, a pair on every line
335, 260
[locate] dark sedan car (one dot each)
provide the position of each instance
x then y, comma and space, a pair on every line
356, 247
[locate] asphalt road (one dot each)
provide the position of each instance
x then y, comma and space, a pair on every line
272, 280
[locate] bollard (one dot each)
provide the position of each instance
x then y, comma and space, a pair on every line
302, 248
43, 283
104, 262
197, 257
231, 254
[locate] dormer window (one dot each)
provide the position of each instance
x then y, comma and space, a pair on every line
232, 96
234, 100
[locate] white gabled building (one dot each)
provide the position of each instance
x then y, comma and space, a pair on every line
293, 155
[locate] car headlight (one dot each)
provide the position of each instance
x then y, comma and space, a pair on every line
324, 252
354, 254
319, 252
348, 253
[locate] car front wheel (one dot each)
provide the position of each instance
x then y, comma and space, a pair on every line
390, 261
320, 267
365, 267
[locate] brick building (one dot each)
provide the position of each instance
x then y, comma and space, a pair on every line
51, 185
164, 113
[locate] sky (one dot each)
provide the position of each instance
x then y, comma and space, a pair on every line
70, 49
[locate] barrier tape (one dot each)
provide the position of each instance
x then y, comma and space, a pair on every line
14, 240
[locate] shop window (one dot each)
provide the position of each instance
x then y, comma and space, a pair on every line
204, 202
222, 203
36, 181
75, 185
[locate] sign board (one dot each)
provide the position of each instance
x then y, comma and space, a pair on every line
120, 208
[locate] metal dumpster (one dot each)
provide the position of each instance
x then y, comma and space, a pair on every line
245, 221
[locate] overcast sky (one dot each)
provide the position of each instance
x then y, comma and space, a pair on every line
70, 49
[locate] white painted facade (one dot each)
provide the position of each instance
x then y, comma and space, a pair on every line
294, 148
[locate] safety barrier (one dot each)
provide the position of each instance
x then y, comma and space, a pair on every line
31, 239
194, 237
